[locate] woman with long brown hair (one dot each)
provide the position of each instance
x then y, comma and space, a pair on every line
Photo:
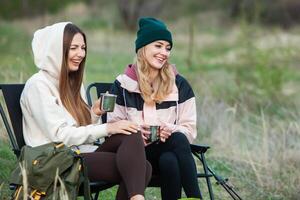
152, 93
54, 110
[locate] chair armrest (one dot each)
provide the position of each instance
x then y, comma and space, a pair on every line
199, 148
97, 143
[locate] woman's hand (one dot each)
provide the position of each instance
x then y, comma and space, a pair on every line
96, 108
122, 127
145, 131
164, 132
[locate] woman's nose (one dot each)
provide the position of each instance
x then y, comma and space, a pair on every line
165, 52
81, 53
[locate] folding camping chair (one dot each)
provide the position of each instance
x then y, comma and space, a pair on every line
197, 150
11, 94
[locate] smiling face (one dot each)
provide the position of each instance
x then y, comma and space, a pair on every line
157, 53
77, 52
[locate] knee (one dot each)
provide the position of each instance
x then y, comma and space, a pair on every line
179, 141
135, 139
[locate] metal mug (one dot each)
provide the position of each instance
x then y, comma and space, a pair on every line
108, 102
154, 134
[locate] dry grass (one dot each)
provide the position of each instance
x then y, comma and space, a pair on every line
62, 192
260, 152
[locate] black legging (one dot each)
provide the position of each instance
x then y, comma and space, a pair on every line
175, 165
121, 159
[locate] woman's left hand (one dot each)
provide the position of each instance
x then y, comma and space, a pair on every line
164, 133
145, 132
96, 108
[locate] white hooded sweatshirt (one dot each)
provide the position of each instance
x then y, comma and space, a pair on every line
45, 119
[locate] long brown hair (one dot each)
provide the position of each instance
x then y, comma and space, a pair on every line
161, 86
70, 82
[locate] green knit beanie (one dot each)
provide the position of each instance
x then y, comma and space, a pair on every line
150, 30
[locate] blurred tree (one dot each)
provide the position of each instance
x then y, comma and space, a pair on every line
131, 10
285, 13
11, 9
25, 7
94, 5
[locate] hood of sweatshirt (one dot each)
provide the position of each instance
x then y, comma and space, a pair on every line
47, 47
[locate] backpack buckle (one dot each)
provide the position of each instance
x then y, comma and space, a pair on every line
36, 195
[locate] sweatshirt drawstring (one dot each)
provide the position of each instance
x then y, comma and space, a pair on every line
177, 116
125, 104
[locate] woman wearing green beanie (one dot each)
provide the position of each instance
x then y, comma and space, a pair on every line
152, 92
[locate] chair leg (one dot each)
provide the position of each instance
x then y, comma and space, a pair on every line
96, 196
210, 191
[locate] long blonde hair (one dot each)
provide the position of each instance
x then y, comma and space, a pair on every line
70, 82
163, 83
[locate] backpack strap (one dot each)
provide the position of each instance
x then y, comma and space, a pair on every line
84, 179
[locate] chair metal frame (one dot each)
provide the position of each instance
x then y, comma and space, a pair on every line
14, 128
198, 150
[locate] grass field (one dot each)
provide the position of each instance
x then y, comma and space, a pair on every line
246, 80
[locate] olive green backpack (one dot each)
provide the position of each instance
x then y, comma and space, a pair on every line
53, 171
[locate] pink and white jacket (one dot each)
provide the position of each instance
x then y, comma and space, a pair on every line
177, 111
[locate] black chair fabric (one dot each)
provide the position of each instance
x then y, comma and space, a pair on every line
11, 94
100, 88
